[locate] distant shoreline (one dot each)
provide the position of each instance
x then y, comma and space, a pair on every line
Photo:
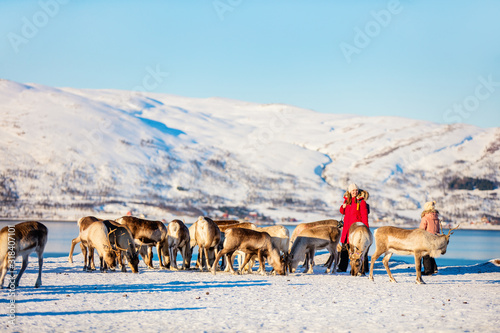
372, 225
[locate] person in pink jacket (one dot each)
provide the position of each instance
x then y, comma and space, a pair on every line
430, 222
354, 209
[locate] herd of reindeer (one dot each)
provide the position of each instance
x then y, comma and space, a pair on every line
125, 238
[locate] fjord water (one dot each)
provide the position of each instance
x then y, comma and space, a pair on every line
466, 246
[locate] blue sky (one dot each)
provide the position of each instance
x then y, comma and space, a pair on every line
432, 60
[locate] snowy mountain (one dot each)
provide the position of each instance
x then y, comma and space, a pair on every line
70, 152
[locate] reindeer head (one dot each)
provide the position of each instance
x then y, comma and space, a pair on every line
277, 262
355, 261
447, 237
110, 257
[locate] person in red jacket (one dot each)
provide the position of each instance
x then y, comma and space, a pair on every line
354, 209
430, 222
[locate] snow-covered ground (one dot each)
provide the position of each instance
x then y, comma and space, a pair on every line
458, 299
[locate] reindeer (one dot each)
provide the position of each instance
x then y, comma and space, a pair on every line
122, 241
83, 223
310, 240
280, 237
97, 238
390, 240
23, 240
303, 226
178, 238
207, 235
147, 234
250, 242
225, 225
360, 240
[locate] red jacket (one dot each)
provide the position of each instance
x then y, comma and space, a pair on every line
355, 212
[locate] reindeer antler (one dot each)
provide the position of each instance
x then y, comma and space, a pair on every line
450, 232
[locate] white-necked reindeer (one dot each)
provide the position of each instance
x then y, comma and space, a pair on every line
25, 238
390, 240
83, 223
207, 235
98, 238
360, 240
178, 239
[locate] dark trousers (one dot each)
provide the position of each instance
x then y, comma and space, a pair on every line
429, 264
344, 260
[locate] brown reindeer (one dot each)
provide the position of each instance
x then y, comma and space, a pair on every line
147, 234
178, 239
97, 237
303, 226
250, 242
21, 240
280, 238
122, 241
207, 235
417, 242
225, 225
83, 223
310, 240
360, 240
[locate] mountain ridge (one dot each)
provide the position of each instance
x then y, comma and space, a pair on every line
68, 152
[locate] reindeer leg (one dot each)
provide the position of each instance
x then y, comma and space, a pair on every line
150, 257
328, 267
311, 260
200, 258
159, 250
167, 261
73, 244
306, 260
262, 262
245, 262
120, 261
4, 270
173, 258
418, 267
23, 268
91, 258
231, 258
375, 256
85, 256
385, 261
328, 263
38, 282
214, 266
335, 262
207, 260
185, 255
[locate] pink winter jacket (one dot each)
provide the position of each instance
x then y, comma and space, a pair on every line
430, 222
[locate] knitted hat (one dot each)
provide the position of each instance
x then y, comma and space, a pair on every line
429, 205
351, 187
